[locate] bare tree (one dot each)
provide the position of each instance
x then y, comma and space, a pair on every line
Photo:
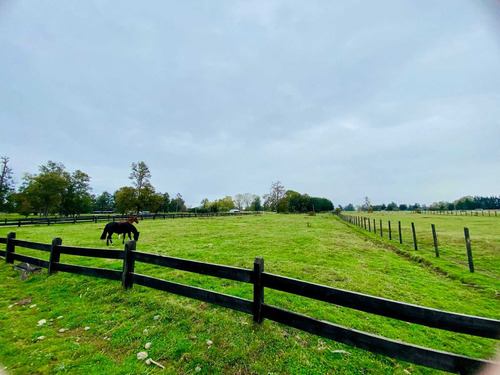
272, 199
140, 175
6, 181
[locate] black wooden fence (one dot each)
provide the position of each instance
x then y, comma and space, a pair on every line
472, 325
96, 218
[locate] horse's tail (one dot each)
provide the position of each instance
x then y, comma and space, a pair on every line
103, 237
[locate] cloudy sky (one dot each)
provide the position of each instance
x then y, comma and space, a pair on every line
395, 100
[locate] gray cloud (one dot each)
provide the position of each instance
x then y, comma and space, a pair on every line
395, 100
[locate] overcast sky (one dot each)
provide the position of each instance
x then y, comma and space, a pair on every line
395, 100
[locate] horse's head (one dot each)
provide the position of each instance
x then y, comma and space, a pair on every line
135, 220
136, 236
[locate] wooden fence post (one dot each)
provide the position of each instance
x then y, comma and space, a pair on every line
414, 236
258, 290
435, 240
55, 254
469, 250
390, 233
381, 233
128, 264
400, 238
10, 248
369, 225
374, 227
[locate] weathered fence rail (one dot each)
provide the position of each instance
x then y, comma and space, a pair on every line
96, 218
472, 325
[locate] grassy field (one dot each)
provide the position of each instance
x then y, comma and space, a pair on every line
485, 242
320, 249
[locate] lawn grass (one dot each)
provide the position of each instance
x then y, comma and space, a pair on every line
320, 249
484, 234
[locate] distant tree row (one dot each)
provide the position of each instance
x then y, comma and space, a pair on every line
464, 203
242, 202
284, 201
467, 203
55, 190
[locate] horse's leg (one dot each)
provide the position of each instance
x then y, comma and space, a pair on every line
109, 238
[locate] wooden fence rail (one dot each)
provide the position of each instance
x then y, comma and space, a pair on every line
472, 325
96, 218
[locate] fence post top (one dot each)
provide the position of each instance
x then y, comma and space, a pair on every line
11, 235
131, 244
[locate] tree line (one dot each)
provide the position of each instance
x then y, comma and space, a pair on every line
465, 203
55, 190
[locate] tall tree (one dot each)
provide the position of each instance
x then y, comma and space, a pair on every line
6, 180
238, 201
165, 202
276, 192
140, 176
367, 204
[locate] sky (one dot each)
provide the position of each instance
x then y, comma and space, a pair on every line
396, 100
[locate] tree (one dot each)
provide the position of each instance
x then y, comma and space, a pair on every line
125, 199
276, 192
204, 205
367, 205
225, 204
104, 202
44, 192
165, 202
321, 204
392, 206
140, 176
77, 199
256, 205
177, 204
349, 207
238, 201
149, 199
6, 181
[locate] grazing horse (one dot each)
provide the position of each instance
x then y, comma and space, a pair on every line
120, 228
130, 220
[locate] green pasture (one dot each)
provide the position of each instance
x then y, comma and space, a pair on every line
484, 234
321, 249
